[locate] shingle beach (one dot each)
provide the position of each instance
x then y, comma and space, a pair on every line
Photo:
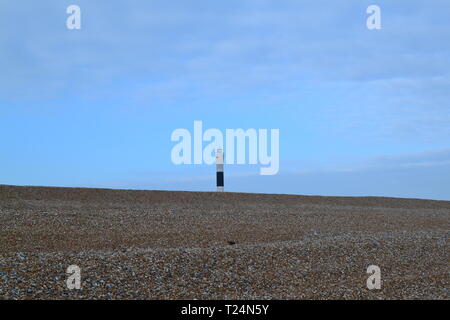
198, 245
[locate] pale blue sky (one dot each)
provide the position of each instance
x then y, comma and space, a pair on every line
360, 112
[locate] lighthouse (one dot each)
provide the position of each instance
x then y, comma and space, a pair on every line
219, 170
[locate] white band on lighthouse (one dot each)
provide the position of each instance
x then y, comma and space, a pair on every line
219, 170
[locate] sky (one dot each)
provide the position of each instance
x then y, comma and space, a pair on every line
360, 112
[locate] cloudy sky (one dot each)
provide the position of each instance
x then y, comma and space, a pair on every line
360, 112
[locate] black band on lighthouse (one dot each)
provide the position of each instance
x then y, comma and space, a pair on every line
220, 179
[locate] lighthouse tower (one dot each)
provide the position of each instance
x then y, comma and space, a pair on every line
219, 170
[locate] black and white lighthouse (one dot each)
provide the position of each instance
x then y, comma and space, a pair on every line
219, 170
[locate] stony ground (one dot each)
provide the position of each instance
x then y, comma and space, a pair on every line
186, 245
